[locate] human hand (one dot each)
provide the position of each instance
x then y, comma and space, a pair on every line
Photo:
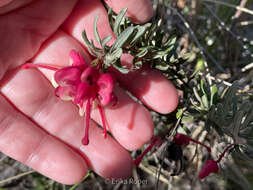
43, 132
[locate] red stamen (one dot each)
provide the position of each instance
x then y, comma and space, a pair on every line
197, 142
28, 66
182, 139
224, 152
102, 116
85, 140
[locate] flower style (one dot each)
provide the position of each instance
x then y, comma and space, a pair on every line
182, 139
156, 141
82, 84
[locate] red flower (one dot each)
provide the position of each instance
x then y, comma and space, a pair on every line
211, 166
82, 83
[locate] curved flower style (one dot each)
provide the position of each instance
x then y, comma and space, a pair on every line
82, 84
156, 141
182, 139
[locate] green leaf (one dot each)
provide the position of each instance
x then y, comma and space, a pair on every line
143, 52
198, 97
237, 123
171, 41
85, 39
140, 31
91, 51
179, 113
95, 30
249, 117
120, 67
202, 86
106, 40
161, 65
118, 20
205, 101
214, 92
111, 58
75, 185
123, 38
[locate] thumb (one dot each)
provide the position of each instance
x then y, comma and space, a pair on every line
4, 2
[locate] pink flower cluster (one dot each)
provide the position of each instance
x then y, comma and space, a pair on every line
211, 166
83, 84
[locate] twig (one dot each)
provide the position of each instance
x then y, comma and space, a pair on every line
230, 5
17, 176
3, 158
244, 23
202, 49
216, 79
147, 170
238, 12
222, 24
247, 67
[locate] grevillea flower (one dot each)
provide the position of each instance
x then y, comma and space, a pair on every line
211, 166
156, 141
82, 84
182, 139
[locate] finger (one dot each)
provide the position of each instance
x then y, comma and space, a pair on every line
148, 85
10, 5
140, 11
32, 93
132, 130
25, 29
24, 141
151, 87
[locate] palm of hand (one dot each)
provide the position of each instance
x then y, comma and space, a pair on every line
51, 142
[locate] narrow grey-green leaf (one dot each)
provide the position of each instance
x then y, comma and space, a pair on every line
214, 91
123, 38
120, 67
116, 54
249, 118
143, 52
205, 101
137, 65
118, 20
95, 30
197, 96
111, 58
140, 31
96, 50
91, 51
106, 40
237, 123
171, 41
85, 39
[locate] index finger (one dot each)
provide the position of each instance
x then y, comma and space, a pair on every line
139, 12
